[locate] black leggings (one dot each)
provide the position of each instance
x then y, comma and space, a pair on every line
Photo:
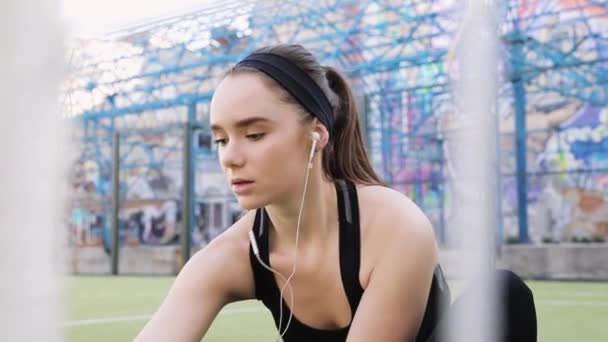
518, 322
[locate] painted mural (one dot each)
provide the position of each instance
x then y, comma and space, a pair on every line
400, 59
567, 128
151, 193
564, 61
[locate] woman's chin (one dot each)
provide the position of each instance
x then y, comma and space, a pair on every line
249, 202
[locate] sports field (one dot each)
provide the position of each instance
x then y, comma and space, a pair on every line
114, 309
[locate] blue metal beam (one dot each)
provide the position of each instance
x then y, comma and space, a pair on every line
520, 132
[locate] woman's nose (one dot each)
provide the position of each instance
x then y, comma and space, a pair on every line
231, 155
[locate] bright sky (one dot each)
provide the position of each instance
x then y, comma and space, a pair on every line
94, 17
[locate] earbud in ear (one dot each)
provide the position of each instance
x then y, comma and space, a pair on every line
315, 139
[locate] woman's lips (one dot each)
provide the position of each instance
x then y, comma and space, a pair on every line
242, 187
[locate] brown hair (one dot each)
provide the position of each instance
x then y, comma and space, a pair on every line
344, 157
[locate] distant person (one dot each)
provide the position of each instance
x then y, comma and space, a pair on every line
160, 223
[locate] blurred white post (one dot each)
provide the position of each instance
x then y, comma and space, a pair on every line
475, 169
31, 176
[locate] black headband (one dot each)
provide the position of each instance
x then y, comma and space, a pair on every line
289, 76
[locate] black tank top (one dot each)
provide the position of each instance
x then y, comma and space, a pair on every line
267, 291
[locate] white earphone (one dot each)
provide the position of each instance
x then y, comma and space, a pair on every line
315, 140
254, 246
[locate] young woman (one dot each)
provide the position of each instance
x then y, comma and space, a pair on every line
361, 259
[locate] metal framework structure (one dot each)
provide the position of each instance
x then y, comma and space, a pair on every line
150, 80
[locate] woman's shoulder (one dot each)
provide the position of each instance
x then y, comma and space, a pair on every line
234, 240
228, 254
389, 215
386, 204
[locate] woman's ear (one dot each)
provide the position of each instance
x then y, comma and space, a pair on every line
319, 128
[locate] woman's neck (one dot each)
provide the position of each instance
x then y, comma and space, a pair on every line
319, 214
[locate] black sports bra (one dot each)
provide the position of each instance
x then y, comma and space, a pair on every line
268, 292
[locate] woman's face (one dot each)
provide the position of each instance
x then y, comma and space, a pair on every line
262, 144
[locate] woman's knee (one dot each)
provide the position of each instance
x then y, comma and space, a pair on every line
519, 312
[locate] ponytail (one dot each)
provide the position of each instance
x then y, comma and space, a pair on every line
345, 157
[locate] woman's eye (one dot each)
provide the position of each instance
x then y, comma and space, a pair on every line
219, 141
255, 136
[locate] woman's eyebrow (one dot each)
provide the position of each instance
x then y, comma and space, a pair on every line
244, 123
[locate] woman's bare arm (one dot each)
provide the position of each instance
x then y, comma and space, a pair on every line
213, 277
393, 304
